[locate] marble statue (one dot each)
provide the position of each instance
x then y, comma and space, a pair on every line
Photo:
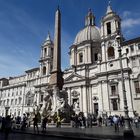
55, 101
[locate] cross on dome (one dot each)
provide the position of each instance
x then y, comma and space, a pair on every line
109, 8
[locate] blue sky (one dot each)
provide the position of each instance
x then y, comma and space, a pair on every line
24, 25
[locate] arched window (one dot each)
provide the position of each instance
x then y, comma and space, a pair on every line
44, 70
80, 57
108, 28
45, 52
111, 53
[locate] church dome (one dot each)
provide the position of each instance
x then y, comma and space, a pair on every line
89, 33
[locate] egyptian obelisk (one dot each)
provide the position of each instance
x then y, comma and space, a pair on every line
56, 78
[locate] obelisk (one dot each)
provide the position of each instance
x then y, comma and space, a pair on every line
56, 78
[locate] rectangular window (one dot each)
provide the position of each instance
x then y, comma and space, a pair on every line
80, 57
132, 48
41, 98
127, 50
119, 25
114, 104
134, 62
45, 52
113, 90
7, 102
139, 46
15, 101
137, 86
29, 102
12, 102
96, 56
108, 28
20, 101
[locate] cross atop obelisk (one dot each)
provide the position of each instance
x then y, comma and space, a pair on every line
56, 78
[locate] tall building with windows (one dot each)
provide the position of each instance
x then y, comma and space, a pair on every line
93, 80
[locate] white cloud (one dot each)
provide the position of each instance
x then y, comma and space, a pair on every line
130, 22
130, 19
126, 14
11, 66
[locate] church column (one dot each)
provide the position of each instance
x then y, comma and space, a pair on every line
103, 52
41, 53
86, 55
120, 95
48, 67
72, 57
81, 99
69, 96
89, 54
109, 101
85, 105
90, 99
129, 96
105, 96
75, 56
101, 106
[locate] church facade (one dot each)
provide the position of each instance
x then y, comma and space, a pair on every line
93, 81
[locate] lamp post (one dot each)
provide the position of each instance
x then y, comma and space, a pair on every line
128, 132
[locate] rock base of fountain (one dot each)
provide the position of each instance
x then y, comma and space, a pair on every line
56, 105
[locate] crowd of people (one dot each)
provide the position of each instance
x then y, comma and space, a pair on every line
77, 120
93, 120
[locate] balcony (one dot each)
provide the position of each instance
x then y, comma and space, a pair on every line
114, 96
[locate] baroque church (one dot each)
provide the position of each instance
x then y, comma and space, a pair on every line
93, 81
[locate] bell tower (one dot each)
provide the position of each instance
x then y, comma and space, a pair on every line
46, 56
110, 24
110, 28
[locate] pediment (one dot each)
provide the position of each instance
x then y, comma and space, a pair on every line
74, 77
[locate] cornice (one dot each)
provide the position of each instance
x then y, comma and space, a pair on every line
13, 86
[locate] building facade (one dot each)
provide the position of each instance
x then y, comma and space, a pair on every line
93, 80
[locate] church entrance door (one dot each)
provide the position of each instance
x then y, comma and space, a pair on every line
96, 109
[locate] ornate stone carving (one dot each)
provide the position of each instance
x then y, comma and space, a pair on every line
54, 101
75, 94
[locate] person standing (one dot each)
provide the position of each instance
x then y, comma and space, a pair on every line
121, 121
35, 123
24, 122
58, 121
116, 123
100, 121
44, 122
136, 121
7, 126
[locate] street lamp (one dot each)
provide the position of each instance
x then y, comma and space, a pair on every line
128, 132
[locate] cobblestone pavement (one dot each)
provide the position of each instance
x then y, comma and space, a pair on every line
95, 132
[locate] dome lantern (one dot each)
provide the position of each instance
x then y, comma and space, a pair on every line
48, 39
90, 19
